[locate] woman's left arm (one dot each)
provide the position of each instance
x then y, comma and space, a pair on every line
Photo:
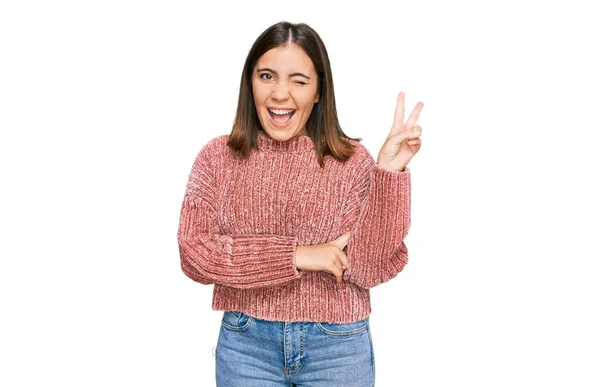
378, 209
378, 215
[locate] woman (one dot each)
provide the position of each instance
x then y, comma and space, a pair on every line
293, 222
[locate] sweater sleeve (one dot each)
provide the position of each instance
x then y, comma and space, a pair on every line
239, 261
377, 212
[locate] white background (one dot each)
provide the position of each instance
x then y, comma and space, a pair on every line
104, 106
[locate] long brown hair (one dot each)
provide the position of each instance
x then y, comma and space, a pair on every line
322, 125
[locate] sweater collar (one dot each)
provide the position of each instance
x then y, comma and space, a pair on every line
301, 143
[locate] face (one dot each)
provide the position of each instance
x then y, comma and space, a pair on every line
284, 84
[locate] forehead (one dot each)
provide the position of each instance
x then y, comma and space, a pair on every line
287, 58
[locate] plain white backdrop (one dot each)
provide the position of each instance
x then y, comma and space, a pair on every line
104, 106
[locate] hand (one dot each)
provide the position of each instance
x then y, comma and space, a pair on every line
403, 142
327, 257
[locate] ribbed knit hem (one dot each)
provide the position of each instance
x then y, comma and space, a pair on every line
329, 302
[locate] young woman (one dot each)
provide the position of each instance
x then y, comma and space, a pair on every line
293, 222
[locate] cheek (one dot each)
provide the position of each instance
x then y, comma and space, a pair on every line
259, 96
307, 104
308, 99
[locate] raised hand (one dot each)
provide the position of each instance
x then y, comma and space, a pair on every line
403, 142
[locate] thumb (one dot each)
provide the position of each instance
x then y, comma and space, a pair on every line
342, 240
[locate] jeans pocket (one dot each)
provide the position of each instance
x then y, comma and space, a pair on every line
236, 321
346, 329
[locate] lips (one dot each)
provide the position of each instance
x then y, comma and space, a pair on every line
281, 120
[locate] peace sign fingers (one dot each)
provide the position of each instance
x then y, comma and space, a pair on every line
399, 124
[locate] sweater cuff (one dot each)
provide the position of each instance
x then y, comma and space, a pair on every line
382, 171
268, 258
390, 190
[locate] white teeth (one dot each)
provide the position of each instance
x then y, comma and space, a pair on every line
280, 111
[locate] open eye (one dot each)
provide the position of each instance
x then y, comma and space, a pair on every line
266, 74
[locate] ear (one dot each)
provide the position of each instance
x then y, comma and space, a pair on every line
317, 98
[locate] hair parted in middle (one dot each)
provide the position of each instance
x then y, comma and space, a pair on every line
322, 126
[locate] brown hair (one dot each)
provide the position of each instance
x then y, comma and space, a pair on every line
322, 126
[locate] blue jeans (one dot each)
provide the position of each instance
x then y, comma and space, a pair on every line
254, 352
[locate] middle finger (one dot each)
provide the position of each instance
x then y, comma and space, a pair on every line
412, 119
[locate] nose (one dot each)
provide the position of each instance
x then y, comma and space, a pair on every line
280, 91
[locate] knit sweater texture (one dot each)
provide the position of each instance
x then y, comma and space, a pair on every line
241, 221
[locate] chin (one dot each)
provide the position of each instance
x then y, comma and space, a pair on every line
281, 134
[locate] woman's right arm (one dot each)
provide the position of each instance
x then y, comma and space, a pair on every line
239, 261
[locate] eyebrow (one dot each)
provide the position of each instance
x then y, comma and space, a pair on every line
275, 72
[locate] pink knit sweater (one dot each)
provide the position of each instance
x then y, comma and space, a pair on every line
242, 220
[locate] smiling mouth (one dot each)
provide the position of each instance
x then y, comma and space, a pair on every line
281, 119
